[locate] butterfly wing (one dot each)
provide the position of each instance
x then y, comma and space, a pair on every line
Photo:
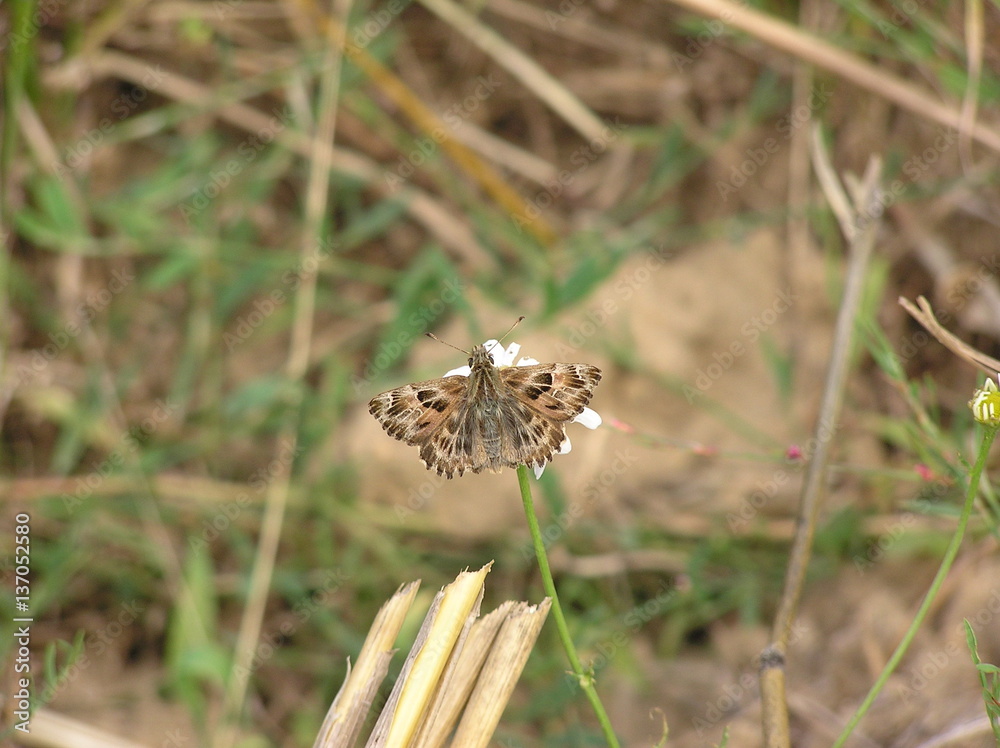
439, 417
519, 421
465, 441
552, 395
413, 412
490, 435
558, 392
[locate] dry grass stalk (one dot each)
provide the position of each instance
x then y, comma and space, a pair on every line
447, 624
853, 203
347, 713
460, 678
500, 673
924, 314
457, 662
810, 48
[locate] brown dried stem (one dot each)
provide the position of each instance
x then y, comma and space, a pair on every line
860, 228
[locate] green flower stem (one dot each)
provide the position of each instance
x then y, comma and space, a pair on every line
946, 562
585, 679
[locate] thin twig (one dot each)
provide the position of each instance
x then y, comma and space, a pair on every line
925, 316
836, 196
775, 712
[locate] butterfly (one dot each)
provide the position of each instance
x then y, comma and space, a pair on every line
495, 417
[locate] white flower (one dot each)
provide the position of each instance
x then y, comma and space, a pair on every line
985, 404
505, 357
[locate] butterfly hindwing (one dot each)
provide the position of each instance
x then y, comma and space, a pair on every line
494, 435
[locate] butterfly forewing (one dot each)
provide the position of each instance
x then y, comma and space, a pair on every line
413, 412
492, 419
557, 391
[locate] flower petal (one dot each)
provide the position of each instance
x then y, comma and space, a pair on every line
507, 356
461, 371
564, 448
589, 418
527, 361
496, 353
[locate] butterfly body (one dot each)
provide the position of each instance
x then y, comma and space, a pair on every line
491, 419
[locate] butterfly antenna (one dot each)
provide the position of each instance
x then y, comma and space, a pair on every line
516, 323
432, 336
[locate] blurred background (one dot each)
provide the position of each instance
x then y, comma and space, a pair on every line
227, 225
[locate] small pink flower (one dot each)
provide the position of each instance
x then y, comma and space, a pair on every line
794, 453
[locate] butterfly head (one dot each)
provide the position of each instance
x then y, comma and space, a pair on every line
480, 356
